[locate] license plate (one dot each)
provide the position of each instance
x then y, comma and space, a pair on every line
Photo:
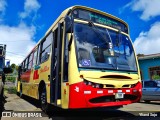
119, 95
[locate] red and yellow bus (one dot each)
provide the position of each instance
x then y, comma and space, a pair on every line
86, 59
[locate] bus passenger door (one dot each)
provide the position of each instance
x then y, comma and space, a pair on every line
55, 76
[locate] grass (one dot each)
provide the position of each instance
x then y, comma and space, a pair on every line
10, 90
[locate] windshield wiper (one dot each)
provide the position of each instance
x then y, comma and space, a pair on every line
90, 23
109, 42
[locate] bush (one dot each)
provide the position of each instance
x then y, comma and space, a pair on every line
11, 90
156, 77
11, 79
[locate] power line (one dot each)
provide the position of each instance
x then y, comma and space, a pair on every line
16, 41
15, 54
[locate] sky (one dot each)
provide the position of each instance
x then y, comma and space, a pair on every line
24, 22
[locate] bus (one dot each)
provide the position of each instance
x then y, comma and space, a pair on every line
86, 59
2, 76
3, 70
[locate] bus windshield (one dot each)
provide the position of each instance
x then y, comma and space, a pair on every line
101, 48
1, 64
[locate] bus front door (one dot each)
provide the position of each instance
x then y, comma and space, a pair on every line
55, 75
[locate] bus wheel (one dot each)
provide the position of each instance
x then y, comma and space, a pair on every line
2, 101
43, 100
2, 94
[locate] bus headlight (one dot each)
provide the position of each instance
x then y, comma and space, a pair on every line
89, 83
85, 82
97, 85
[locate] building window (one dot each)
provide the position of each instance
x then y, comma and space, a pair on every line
154, 71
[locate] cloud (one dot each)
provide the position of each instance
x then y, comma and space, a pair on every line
3, 5
19, 40
149, 8
148, 42
30, 7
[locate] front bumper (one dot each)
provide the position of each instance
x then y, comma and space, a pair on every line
85, 96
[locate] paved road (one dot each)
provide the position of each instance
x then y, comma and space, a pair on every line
14, 103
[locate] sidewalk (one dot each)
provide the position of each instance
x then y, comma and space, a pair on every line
20, 106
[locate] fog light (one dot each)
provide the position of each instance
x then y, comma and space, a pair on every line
93, 85
97, 85
134, 90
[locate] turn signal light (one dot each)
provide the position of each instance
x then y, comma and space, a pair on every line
81, 76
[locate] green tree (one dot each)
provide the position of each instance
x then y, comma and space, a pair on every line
13, 66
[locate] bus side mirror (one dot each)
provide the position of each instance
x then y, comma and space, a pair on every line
7, 70
68, 24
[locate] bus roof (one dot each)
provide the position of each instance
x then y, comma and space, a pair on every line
63, 14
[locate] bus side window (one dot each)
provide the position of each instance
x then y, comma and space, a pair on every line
46, 47
23, 67
38, 55
26, 65
30, 61
34, 58
55, 48
65, 72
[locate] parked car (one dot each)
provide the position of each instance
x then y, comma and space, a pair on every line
150, 90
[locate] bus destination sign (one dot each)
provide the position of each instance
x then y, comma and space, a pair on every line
99, 18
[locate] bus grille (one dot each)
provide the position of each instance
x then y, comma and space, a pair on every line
111, 98
126, 86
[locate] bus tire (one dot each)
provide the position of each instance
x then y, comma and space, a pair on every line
2, 100
2, 94
43, 100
